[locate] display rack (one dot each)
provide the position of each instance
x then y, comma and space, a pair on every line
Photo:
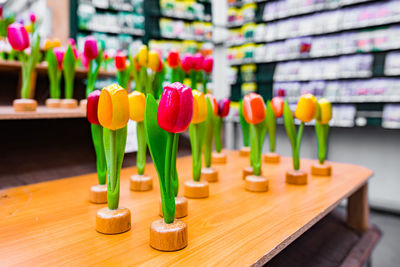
285, 39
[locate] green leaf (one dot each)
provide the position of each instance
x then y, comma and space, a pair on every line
209, 134
69, 72
94, 67
244, 125
101, 165
271, 125
217, 133
54, 74
289, 124
322, 131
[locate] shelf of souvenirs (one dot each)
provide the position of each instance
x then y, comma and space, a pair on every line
272, 13
184, 16
12, 65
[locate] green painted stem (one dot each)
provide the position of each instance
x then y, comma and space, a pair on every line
69, 88
174, 75
217, 134
255, 149
123, 77
141, 87
167, 196
272, 138
322, 131
296, 151
141, 154
175, 180
101, 165
193, 79
195, 143
205, 82
208, 148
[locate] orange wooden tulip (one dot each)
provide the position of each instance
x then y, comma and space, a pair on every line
113, 110
324, 111
253, 108
137, 101
214, 103
305, 109
199, 107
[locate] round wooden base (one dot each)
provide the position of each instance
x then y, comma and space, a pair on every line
298, 177
247, 171
113, 221
256, 183
244, 151
140, 183
69, 103
193, 189
321, 169
53, 103
83, 104
168, 237
271, 158
98, 194
209, 174
219, 158
181, 207
21, 105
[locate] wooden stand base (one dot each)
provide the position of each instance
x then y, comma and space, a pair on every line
140, 183
69, 103
219, 158
321, 169
181, 207
113, 221
296, 177
83, 104
256, 183
247, 171
244, 151
271, 158
168, 237
193, 189
98, 194
209, 174
53, 103
21, 105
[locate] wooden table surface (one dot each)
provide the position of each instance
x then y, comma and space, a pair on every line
53, 223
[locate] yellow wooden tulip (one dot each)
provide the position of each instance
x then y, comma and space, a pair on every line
305, 109
142, 56
29, 28
154, 60
324, 111
137, 101
56, 42
199, 107
48, 44
113, 109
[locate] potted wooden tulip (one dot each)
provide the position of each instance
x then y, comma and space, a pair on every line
123, 71
207, 66
245, 149
187, 65
323, 116
195, 72
208, 173
274, 110
304, 112
197, 129
54, 58
97, 193
163, 123
173, 61
94, 56
19, 41
254, 114
113, 115
223, 111
69, 63
139, 182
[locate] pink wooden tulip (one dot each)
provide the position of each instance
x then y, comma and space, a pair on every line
175, 110
92, 107
32, 17
90, 49
84, 60
187, 62
59, 52
208, 64
223, 107
18, 36
197, 61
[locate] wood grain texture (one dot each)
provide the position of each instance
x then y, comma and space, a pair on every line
321, 169
270, 157
256, 183
140, 183
209, 174
42, 112
53, 223
181, 207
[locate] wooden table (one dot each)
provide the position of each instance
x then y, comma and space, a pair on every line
53, 223
42, 112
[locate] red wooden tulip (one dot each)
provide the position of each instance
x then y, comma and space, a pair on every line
173, 58
18, 36
90, 49
253, 108
277, 106
223, 107
208, 64
59, 52
187, 62
175, 110
197, 61
92, 107
120, 60
160, 65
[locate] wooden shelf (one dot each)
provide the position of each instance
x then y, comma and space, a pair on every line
42, 112
15, 66
53, 223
